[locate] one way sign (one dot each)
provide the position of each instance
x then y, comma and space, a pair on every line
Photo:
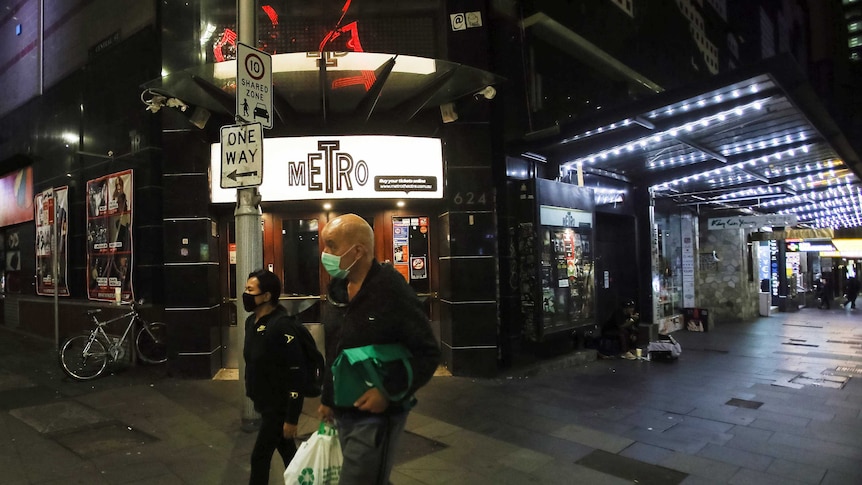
241, 155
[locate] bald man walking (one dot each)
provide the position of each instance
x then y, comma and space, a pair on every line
370, 303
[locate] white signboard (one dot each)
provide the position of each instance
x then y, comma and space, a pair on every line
737, 222
346, 167
335, 61
688, 284
241, 156
561, 216
254, 85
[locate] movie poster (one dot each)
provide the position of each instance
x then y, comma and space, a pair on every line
109, 237
16, 197
52, 221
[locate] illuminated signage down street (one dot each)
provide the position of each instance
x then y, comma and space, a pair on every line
806, 246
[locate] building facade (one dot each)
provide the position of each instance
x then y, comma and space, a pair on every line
122, 130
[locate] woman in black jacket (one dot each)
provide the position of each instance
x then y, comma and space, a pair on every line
274, 363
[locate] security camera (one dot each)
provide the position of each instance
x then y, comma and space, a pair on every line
154, 102
177, 103
157, 100
488, 93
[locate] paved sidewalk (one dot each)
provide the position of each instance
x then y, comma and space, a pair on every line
773, 401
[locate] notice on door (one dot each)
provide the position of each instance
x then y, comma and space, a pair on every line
410, 250
418, 268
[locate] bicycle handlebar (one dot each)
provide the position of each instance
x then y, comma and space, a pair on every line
135, 303
133, 306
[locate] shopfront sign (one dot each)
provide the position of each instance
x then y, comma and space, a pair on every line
688, 283
345, 167
335, 62
561, 216
16, 197
778, 220
806, 246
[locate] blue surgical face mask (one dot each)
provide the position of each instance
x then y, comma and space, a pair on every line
332, 264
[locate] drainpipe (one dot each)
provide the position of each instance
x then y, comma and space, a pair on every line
41, 46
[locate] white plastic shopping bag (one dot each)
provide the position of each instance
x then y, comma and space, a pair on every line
317, 461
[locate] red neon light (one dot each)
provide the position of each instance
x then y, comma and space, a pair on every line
227, 37
353, 43
366, 79
270, 12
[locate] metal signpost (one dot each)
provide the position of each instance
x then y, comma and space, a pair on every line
254, 85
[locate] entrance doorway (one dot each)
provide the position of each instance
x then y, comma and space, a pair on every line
291, 250
616, 264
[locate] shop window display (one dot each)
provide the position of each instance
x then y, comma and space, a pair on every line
567, 278
558, 293
668, 266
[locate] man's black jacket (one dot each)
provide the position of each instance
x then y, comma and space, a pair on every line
274, 364
384, 311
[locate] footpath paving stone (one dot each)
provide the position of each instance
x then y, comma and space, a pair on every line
492, 431
59, 416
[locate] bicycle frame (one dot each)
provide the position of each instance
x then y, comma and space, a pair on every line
85, 356
113, 347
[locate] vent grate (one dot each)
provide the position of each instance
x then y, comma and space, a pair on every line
743, 403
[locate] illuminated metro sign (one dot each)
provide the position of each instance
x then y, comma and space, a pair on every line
345, 167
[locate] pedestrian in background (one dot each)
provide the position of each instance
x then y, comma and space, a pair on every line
274, 363
851, 291
371, 304
824, 292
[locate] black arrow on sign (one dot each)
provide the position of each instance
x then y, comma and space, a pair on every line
233, 175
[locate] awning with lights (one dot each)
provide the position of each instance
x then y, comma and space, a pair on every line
334, 87
754, 141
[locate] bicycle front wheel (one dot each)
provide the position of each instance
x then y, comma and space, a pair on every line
152, 344
82, 359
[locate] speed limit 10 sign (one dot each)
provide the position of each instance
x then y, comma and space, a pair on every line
254, 85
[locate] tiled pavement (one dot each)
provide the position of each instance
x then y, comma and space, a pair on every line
777, 400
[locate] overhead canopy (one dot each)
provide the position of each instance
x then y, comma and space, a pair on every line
752, 141
351, 86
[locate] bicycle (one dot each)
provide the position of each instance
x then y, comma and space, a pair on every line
85, 357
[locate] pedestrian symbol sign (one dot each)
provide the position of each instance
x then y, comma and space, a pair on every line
253, 85
241, 156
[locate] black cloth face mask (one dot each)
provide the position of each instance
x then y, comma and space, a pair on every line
248, 301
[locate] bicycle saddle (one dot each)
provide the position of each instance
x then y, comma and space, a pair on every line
94, 311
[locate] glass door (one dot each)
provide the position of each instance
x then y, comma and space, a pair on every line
300, 268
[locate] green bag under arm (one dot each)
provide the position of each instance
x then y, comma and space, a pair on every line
358, 369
